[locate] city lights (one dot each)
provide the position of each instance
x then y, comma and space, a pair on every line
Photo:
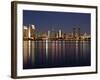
30, 33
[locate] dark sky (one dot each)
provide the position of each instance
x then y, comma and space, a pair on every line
45, 20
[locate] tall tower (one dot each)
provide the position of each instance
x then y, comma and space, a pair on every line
60, 34
31, 32
48, 34
78, 31
25, 33
74, 33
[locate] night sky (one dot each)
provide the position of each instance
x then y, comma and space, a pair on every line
66, 21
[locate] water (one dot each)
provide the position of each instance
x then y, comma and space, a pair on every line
48, 54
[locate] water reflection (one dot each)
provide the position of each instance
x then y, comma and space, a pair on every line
46, 54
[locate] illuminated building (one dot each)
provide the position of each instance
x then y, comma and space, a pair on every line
29, 32
25, 31
86, 36
52, 35
60, 34
78, 33
74, 33
33, 31
48, 34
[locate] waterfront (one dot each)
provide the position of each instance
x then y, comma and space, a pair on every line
56, 53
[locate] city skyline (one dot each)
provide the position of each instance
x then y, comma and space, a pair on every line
30, 33
44, 20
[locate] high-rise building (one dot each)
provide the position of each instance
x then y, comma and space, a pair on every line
74, 33
79, 32
29, 32
60, 33
33, 32
52, 34
25, 31
48, 34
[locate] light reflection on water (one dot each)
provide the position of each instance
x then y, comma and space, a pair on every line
46, 54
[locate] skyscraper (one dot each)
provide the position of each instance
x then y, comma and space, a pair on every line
25, 31
33, 32
48, 34
59, 33
29, 32
74, 33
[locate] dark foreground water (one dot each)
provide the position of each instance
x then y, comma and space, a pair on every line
47, 54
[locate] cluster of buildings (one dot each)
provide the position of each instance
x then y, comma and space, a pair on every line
29, 33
